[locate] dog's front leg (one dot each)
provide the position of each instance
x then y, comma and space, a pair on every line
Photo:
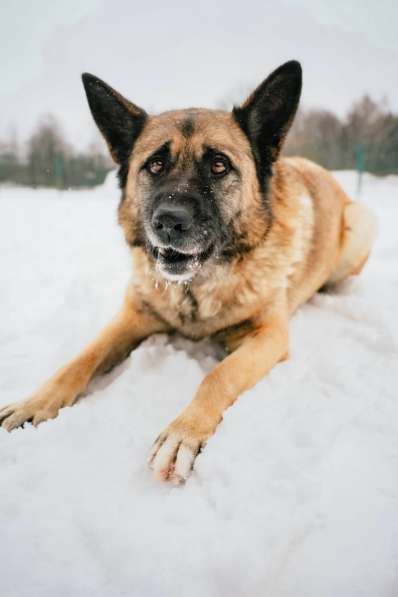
175, 450
133, 323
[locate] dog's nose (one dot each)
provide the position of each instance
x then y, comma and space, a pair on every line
171, 222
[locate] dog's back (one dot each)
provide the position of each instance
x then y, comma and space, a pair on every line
343, 231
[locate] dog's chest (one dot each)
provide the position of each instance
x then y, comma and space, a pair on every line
199, 310
197, 316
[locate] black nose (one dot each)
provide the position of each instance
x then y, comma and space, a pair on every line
171, 222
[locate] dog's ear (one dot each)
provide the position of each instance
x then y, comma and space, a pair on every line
119, 120
268, 112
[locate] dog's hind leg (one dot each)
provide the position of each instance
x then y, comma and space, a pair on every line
358, 235
134, 322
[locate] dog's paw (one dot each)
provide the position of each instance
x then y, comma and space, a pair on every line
173, 454
34, 410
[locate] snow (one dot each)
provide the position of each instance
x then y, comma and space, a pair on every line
295, 495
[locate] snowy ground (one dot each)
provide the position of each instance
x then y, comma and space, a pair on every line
296, 494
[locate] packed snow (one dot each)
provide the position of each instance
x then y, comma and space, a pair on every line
295, 496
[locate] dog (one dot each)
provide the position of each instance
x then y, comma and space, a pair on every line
227, 237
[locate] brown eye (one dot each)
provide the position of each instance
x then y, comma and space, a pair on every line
156, 166
219, 166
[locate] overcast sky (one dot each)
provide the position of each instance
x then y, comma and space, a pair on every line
174, 54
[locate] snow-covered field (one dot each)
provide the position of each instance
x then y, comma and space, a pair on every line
295, 496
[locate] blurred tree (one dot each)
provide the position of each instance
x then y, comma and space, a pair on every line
47, 154
333, 142
317, 135
9, 158
320, 135
51, 161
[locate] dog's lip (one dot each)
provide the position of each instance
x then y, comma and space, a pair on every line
174, 257
170, 256
164, 249
170, 252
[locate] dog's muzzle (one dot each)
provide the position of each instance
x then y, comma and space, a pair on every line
180, 241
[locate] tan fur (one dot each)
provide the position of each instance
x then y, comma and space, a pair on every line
316, 236
359, 231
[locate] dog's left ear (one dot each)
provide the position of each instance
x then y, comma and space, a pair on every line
268, 112
119, 120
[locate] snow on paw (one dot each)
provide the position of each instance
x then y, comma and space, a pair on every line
173, 454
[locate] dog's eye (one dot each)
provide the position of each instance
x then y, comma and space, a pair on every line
156, 166
219, 166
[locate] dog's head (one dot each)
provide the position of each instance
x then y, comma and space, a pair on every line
194, 182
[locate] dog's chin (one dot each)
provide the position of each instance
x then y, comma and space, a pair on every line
176, 266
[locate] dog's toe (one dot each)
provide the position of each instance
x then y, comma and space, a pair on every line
184, 463
13, 417
5, 412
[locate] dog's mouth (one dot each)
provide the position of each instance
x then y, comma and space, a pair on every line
177, 265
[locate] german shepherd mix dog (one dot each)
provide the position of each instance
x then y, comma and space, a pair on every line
227, 239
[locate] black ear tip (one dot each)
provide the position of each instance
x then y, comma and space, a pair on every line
91, 81
86, 77
293, 67
294, 64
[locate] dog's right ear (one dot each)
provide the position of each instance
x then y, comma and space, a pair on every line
119, 120
266, 115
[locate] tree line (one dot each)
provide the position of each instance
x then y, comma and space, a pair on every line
365, 139
48, 160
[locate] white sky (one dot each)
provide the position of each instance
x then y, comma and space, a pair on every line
173, 54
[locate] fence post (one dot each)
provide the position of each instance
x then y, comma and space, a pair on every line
359, 151
59, 170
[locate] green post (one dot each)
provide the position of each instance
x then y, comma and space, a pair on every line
360, 165
59, 170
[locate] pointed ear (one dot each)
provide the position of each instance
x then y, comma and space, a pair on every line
119, 120
267, 114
